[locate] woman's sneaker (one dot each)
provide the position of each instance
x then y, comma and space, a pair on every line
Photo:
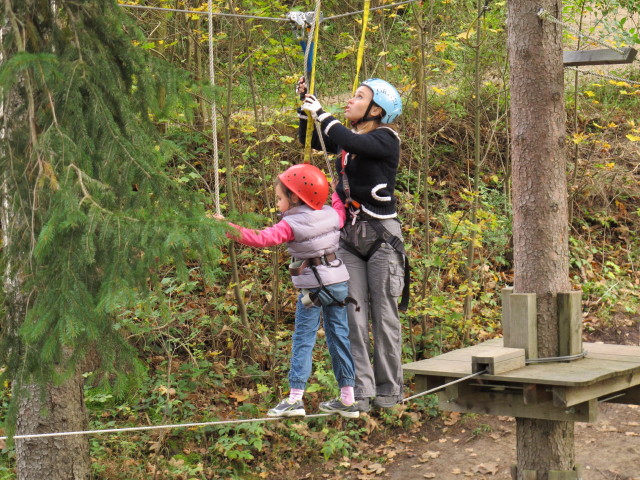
336, 406
363, 404
288, 409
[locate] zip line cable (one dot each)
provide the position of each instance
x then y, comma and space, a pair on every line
197, 12
258, 17
603, 75
209, 424
544, 15
372, 9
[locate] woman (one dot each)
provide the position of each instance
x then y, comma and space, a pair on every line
371, 240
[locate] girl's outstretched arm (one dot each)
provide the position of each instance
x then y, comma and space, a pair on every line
278, 234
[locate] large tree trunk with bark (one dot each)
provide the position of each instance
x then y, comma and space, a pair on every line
47, 409
540, 228
41, 408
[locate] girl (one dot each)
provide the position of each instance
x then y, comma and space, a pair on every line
371, 242
311, 231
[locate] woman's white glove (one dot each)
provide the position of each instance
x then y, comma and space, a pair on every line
312, 105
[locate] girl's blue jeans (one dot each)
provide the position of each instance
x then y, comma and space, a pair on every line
336, 327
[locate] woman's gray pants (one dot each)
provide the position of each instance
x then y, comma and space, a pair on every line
376, 285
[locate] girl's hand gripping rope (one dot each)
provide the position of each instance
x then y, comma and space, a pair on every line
312, 105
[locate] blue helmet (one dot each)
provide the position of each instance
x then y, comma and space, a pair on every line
386, 97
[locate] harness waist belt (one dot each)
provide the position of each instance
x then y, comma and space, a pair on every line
297, 267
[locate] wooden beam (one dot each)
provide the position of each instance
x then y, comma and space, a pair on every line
465, 398
569, 323
523, 328
630, 396
603, 56
501, 360
535, 393
568, 396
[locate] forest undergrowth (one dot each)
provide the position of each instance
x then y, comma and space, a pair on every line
203, 365
210, 357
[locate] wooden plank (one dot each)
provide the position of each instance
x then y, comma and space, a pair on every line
603, 56
568, 396
563, 475
569, 323
627, 353
506, 315
472, 399
498, 361
529, 475
575, 374
523, 324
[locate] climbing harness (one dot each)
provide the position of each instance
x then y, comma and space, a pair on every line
384, 237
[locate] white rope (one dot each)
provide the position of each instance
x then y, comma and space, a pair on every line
214, 122
209, 424
371, 9
197, 12
307, 52
433, 390
152, 427
603, 75
544, 15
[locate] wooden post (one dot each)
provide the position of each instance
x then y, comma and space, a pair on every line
569, 323
506, 312
522, 331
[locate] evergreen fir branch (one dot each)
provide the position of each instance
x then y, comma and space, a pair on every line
97, 215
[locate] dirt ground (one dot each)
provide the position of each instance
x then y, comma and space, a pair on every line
481, 447
484, 447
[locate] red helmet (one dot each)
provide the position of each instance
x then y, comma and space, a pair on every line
307, 182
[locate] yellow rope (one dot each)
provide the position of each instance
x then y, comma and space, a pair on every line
312, 82
365, 21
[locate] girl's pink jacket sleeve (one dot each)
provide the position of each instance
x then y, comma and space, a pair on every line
281, 232
276, 235
339, 207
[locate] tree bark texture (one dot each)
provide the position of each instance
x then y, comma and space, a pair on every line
540, 221
53, 408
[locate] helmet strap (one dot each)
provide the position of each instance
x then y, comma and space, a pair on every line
366, 117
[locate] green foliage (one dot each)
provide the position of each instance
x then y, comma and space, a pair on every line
99, 216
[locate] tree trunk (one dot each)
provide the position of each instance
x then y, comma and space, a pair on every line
540, 229
41, 409
53, 409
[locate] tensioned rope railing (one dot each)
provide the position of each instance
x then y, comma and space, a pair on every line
544, 15
210, 424
257, 17
604, 75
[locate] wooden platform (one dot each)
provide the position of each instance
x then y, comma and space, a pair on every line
566, 391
